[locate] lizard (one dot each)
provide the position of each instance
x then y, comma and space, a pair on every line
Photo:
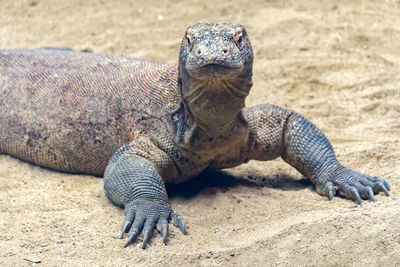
142, 124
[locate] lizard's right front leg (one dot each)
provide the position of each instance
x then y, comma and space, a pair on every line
132, 180
276, 131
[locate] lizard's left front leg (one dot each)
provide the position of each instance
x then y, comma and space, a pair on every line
276, 131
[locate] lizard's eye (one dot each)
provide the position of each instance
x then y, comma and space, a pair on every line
189, 40
238, 37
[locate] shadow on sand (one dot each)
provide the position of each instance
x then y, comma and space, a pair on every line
224, 180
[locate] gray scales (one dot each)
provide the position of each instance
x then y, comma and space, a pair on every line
142, 124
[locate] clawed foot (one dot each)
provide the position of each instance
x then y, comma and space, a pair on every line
143, 216
351, 184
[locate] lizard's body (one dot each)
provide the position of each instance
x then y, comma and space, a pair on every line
96, 105
143, 124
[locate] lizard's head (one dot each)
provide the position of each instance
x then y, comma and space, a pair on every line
215, 73
212, 51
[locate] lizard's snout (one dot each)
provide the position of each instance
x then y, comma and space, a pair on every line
224, 51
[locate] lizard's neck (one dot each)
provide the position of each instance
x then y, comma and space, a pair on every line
214, 105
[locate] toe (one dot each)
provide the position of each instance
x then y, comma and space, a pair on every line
162, 225
179, 222
147, 229
126, 225
370, 193
327, 189
135, 229
350, 192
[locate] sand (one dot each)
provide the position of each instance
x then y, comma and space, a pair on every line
336, 63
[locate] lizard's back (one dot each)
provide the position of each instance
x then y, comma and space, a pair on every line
71, 111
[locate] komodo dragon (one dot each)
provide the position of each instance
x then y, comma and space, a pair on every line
142, 124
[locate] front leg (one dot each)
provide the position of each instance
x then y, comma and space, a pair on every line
278, 131
132, 180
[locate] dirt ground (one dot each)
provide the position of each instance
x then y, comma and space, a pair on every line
336, 63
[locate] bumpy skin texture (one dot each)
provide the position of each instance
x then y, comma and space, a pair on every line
143, 124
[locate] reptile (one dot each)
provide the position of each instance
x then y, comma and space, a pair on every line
142, 124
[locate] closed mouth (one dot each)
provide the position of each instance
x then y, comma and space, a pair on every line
214, 70
215, 65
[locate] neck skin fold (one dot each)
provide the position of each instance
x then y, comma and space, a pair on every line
214, 105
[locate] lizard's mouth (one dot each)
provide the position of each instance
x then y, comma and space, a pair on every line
215, 70
221, 65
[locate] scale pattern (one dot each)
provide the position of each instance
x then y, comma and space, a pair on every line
71, 111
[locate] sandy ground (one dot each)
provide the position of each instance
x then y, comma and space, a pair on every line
336, 63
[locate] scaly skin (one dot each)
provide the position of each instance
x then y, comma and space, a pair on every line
143, 124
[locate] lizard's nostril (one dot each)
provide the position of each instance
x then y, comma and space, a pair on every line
225, 50
198, 52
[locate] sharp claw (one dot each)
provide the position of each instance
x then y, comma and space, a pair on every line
147, 229
164, 232
357, 196
330, 195
178, 222
125, 226
383, 188
370, 193
135, 230
331, 190
145, 237
127, 223
386, 184
132, 237
158, 227
182, 227
162, 228
351, 192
